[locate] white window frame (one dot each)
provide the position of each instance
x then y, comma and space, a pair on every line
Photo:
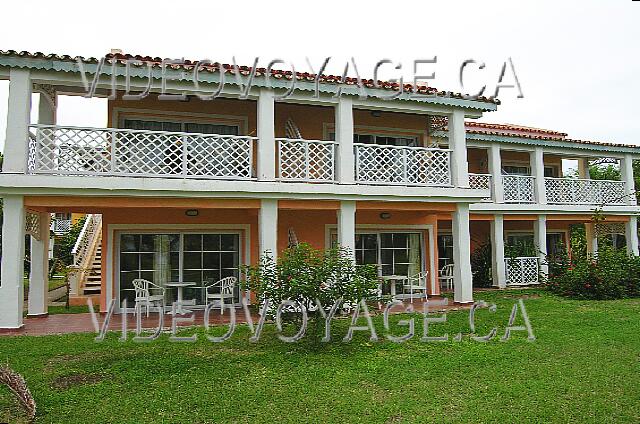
113, 248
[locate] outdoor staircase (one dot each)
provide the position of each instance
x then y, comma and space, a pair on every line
86, 270
93, 276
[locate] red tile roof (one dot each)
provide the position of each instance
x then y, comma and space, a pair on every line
246, 70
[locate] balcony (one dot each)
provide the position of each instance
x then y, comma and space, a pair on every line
393, 165
519, 189
584, 191
62, 150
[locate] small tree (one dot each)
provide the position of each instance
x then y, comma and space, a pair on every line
303, 274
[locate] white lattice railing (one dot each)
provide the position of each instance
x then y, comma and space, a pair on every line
584, 191
480, 181
375, 164
107, 151
306, 160
60, 226
518, 188
522, 270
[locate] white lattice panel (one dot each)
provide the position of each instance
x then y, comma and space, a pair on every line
480, 181
402, 165
522, 270
584, 191
607, 228
32, 224
306, 160
95, 151
518, 188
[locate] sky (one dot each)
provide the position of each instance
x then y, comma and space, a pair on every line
577, 62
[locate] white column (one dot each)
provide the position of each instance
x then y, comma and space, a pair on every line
592, 239
11, 284
495, 169
540, 240
344, 137
39, 272
497, 252
626, 172
347, 226
537, 170
631, 235
18, 116
583, 168
458, 145
463, 284
268, 227
266, 136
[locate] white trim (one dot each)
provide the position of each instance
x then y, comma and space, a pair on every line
114, 243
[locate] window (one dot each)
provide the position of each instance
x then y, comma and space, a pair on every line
201, 258
516, 170
383, 140
395, 253
189, 127
445, 250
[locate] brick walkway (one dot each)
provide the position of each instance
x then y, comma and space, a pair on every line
81, 323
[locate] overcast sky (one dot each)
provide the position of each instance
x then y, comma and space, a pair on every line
577, 61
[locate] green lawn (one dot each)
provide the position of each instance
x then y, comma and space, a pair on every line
583, 367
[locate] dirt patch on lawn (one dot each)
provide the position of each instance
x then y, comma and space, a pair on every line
72, 380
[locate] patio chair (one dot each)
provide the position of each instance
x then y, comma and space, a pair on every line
221, 290
417, 282
145, 293
446, 276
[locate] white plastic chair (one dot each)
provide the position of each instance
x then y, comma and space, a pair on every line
224, 291
144, 293
417, 282
446, 276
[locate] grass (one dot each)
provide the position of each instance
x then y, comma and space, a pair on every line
584, 366
54, 282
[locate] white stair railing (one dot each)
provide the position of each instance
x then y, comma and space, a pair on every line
84, 250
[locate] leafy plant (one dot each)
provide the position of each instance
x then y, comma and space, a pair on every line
303, 274
613, 274
481, 266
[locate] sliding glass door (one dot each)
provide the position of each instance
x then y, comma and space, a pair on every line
394, 253
200, 258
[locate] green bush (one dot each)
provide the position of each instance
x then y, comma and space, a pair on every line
481, 266
613, 274
304, 274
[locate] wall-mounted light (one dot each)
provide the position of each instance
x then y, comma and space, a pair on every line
376, 113
191, 212
385, 215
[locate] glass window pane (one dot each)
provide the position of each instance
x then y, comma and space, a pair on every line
211, 242
129, 243
193, 242
192, 260
147, 243
211, 260
147, 261
129, 262
229, 242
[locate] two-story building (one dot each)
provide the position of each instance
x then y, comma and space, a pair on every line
191, 188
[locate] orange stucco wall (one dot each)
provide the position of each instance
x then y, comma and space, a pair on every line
309, 223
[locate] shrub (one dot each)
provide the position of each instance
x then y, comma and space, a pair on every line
481, 266
304, 274
613, 274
